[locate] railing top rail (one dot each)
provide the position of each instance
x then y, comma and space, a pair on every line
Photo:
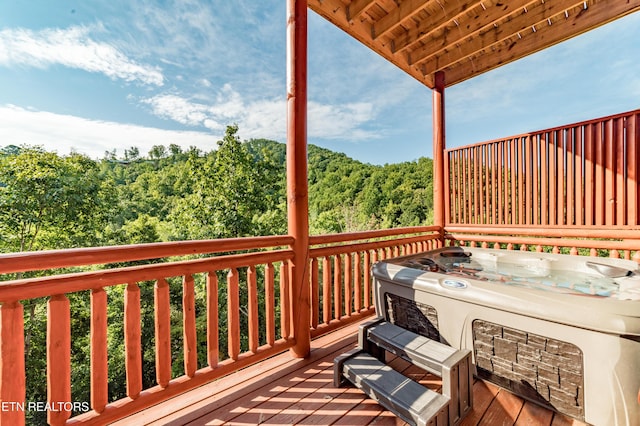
364, 235
551, 129
30, 288
586, 232
51, 259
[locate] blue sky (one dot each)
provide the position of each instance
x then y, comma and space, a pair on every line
96, 76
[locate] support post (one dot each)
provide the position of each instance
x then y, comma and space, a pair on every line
297, 185
438, 152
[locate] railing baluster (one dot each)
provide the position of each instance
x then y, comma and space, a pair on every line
213, 348
315, 294
99, 364
189, 326
12, 369
367, 279
348, 291
337, 286
269, 302
357, 282
132, 335
233, 313
162, 309
58, 359
254, 327
326, 289
632, 170
609, 173
285, 304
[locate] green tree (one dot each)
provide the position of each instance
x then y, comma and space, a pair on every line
48, 201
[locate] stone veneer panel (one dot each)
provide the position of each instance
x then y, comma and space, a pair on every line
538, 368
413, 316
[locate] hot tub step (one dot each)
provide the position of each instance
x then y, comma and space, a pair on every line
407, 399
453, 365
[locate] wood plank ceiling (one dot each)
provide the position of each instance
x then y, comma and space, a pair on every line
465, 38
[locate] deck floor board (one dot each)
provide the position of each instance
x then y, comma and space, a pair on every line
286, 391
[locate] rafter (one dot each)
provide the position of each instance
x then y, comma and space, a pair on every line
490, 18
336, 12
448, 12
580, 20
406, 10
358, 7
520, 24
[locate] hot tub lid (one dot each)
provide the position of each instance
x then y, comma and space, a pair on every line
463, 280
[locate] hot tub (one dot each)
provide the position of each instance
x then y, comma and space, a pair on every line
562, 331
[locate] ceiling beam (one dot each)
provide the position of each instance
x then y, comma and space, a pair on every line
358, 7
580, 20
485, 21
447, 13
335, 12
539, 16
393, 19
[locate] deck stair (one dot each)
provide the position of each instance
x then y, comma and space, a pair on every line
409, 400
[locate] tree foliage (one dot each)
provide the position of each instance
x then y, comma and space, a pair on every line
48, 201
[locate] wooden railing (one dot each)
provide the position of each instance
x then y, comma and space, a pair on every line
583, 174
234, 309
341, 285
611, 242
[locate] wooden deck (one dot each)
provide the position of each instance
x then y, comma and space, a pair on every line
286, 391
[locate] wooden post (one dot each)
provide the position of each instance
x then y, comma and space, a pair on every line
12, 374
297, 186
438, 152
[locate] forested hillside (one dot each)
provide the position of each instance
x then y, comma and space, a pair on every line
48, 201
51, 201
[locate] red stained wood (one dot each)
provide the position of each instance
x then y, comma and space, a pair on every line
30, 288
544, 180
162, 332
561, 196
579, 177
632, 168
58, 358
12, 374
534, 415
254, 329
326, 289
212, 319
513, 177
599, 190
99, 365
367, 279
233, 313
285, 303
348, 289
503, 410
570, 177
132, 335
269, 302
51, 259
297, 182
315, 293
350, 237
189, 326
620, 205
337, 287
447, 188
589, 174
357, 282
439, 145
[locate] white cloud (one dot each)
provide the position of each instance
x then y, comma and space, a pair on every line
265, 118
73, 48
65, 133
